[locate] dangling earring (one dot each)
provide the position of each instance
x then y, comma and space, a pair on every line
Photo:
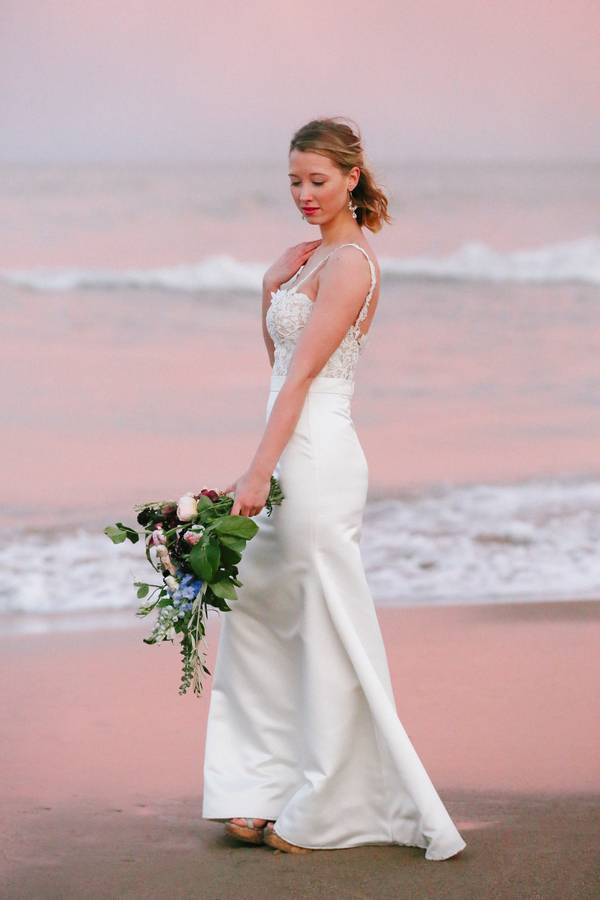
351, 206
303, 216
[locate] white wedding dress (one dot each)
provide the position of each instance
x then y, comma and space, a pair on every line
302, 724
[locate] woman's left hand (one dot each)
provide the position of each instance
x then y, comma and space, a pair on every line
251, 492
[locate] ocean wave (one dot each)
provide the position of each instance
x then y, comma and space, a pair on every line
569, 261
529, 541
576, 261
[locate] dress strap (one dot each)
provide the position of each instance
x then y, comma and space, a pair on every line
320, 263
365, 307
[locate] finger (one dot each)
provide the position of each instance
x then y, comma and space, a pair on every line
234, 511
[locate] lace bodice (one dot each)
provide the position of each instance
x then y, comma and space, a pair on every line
289, 312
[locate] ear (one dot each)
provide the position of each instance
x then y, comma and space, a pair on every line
354, 177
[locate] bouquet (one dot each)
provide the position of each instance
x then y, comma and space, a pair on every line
195, 546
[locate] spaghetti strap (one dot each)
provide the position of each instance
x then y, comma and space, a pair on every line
320, 263
365, 307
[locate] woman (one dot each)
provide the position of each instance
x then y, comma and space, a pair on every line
303, 732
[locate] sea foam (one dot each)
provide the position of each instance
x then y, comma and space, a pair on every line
529, 541
576, 261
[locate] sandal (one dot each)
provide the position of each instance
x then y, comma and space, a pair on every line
272, 839
250, 832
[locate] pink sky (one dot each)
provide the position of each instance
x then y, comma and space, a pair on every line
106, 80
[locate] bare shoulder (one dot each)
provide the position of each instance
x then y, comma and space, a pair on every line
352, 256
349, 259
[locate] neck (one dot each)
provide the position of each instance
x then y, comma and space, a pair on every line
341, 229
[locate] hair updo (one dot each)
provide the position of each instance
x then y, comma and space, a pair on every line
334, 138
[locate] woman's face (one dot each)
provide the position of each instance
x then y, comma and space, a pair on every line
319, 188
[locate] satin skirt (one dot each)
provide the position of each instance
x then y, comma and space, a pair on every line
302, 724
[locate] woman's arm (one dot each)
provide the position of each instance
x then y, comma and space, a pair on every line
343, 285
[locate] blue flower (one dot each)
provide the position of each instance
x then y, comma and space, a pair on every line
188, 588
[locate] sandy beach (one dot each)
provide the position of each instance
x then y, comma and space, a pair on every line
102, 765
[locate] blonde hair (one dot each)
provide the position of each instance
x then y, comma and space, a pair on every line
334, 138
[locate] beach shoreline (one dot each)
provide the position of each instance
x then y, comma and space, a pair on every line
102, 776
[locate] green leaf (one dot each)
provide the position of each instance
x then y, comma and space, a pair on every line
236, 526
212, 600
117, 535
233, 543
205, 557
143, 590
224, 588
205, 509
130, 533
230, 556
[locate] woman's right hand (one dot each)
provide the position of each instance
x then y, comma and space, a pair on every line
289, 262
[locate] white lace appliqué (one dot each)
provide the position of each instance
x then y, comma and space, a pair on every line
287, 315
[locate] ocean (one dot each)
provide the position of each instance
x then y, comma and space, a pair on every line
133, 369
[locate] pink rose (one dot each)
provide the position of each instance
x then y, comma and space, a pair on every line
158, 536
192, 537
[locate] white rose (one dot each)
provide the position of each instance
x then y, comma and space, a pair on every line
171, 583
187, 507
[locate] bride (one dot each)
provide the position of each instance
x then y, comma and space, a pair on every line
304, 747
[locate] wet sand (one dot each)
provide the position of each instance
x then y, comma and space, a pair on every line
102, 766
